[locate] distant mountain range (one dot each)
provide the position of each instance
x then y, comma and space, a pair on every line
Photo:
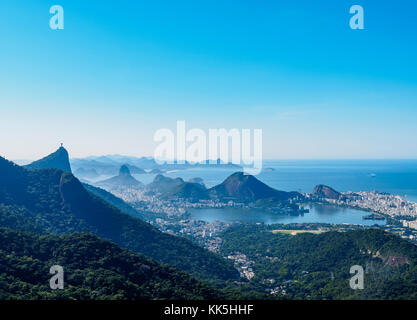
109, 165
238, 187
89, 173
50, 201
218, 164
141, 162
124, 179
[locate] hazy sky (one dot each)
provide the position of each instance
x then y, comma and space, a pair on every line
120, 70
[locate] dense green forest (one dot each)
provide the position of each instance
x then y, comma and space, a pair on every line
93, 269
316, 266
50, 201
57, 220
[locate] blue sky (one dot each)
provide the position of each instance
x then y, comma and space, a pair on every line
120, 70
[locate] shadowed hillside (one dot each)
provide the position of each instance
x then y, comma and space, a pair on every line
93, 269
57, 160
56, 202
247, 188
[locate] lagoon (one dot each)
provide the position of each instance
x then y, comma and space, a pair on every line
318, 214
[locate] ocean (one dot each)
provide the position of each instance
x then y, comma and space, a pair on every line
397, 177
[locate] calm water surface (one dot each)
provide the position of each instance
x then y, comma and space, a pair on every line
317, 214
397, 177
